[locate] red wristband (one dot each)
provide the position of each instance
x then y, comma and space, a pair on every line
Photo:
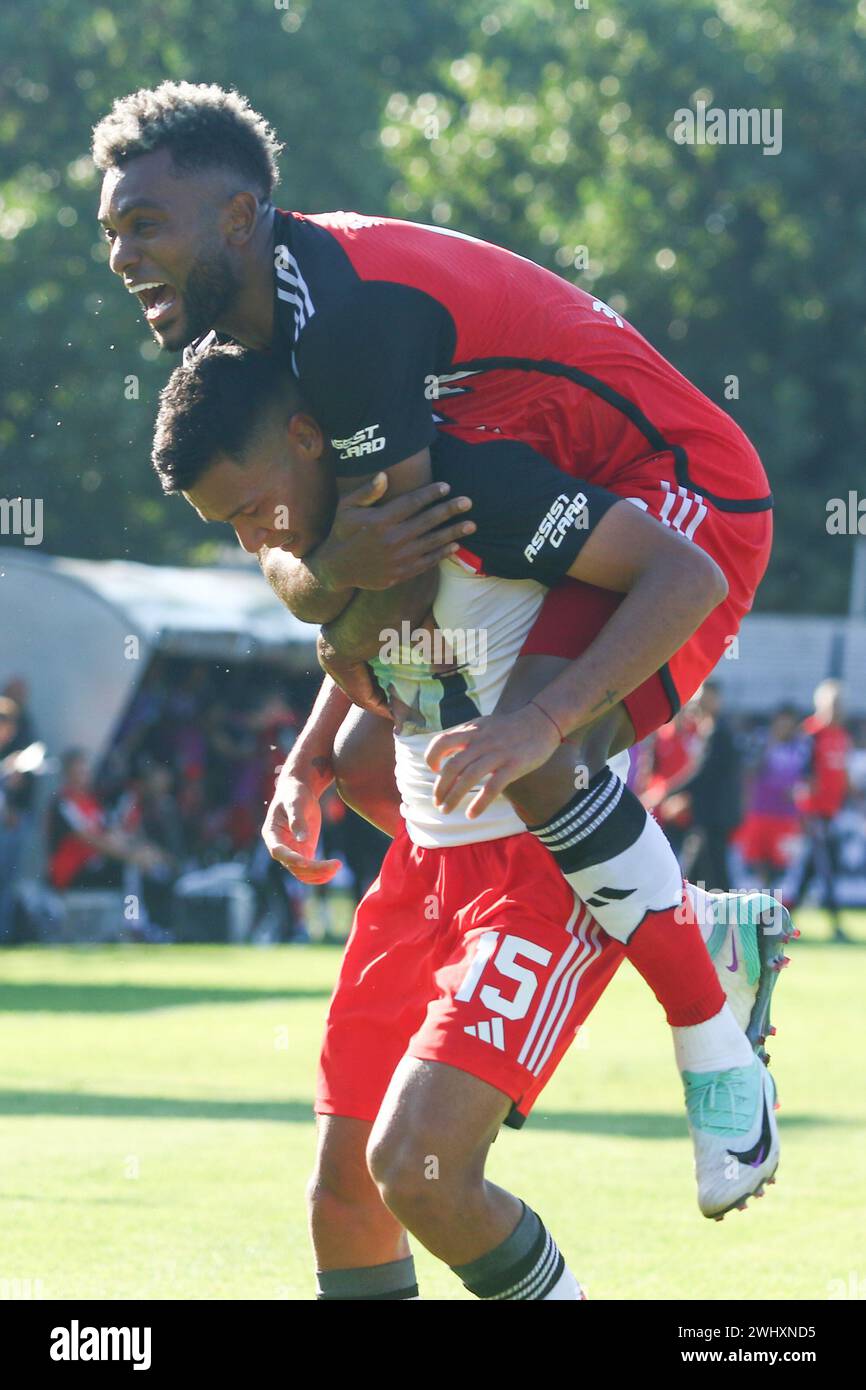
551, 718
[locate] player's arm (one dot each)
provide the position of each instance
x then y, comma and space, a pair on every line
397, 548
296, 586
293, 821
389, 529
347, 643
365, 366
355, 635
670, 587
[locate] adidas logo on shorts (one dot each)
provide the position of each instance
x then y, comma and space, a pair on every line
489, 1030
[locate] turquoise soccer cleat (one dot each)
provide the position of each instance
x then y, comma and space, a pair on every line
746, 947
734, 1133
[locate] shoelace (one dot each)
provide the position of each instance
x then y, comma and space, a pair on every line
740, 1113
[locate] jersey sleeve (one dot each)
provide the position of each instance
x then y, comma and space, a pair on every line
532, 519
367, 369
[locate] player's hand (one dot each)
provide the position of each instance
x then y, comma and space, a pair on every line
291, 832
375, 547
494, 750
355, 679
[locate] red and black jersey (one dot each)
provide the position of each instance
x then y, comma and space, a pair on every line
72, 814
828, 772
394, 329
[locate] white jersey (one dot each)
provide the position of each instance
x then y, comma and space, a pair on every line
448, 672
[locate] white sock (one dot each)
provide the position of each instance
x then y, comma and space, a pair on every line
715, 1045
566, 1287
702, 905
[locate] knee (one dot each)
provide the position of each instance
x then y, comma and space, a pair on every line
406, 1177
414, 1182
339, 1194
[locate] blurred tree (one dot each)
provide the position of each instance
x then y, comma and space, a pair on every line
543, 124
79, 372
551, 131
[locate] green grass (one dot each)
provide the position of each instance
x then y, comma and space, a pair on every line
156, 1133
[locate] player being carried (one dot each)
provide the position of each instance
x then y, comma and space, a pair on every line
424, 353
470, 964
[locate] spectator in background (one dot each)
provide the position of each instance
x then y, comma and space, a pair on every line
17, 690
232, 777
83, 851
16, 801
821, 800
148, 811
280, 898
768, 836
714, 793
141, 721
677, 749
857, 765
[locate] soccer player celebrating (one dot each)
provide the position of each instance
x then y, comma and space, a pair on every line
425, 353
471, 964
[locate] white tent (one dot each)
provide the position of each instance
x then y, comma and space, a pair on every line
83, 632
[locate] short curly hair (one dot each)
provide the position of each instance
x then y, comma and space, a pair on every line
214, 405
202, 125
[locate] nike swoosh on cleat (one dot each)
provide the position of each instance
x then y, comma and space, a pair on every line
757, 1154
734, 960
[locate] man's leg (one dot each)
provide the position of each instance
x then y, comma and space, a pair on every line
807, 868
827, 864
520, 968
427, 1152
618, 861
361, 1250
676, 966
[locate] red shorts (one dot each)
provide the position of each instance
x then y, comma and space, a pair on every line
492, 980
766, 839
574, 613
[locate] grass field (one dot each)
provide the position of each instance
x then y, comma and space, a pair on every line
156, 1133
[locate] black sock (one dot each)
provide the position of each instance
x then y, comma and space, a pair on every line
616, 857
525, 1266
368, 1283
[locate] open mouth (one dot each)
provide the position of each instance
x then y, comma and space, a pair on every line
156, 299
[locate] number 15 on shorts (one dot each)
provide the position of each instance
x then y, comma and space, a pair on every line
504, 951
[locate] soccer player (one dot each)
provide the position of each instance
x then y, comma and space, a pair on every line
772, 826
824, 796
252, 402
471, 963
423, 351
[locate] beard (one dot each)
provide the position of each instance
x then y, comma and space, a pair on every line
211, 287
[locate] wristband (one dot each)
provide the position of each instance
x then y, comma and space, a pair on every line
551, 718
